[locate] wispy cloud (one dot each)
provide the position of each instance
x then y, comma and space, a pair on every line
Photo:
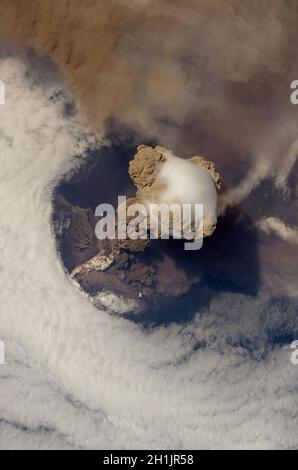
276, 226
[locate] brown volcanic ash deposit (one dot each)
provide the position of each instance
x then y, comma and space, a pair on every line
201, 74
80, 36
165, 64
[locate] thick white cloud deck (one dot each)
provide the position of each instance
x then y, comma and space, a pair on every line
76, 377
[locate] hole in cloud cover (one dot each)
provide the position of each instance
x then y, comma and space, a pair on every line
227, 262
78, 377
